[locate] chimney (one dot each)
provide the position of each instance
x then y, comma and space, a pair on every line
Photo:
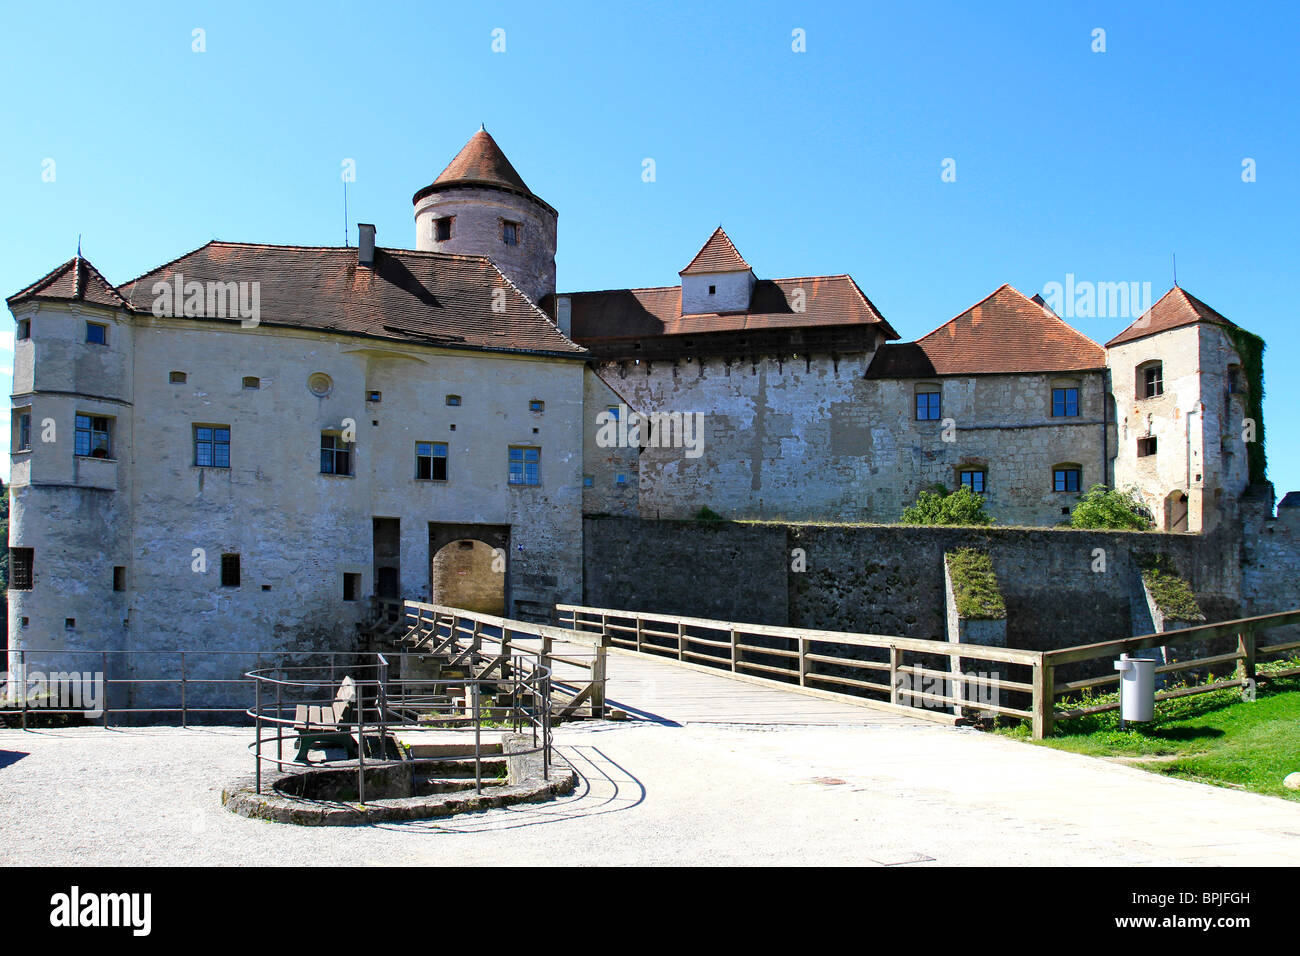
366, 245
564, 314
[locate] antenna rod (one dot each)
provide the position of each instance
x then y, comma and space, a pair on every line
345, 213
1175, 270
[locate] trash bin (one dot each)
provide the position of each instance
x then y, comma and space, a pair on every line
1137, 687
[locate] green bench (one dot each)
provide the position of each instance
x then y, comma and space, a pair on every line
324, 724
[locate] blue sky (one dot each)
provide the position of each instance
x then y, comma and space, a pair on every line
1102, 165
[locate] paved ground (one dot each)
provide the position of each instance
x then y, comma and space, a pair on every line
878, 790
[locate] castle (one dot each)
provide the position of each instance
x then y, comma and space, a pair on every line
236, 448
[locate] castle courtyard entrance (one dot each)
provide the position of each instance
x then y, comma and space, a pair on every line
467, 566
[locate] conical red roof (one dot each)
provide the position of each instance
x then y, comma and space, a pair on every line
480, 162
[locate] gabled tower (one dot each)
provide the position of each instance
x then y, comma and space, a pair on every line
479, 205
718, 279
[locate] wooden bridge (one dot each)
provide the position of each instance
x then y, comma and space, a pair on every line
675, 669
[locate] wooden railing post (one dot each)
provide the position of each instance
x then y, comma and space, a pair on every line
1044, 705
735, 651
1246, 651
598, 681
802, 646
895, 662
681, 639
638, 633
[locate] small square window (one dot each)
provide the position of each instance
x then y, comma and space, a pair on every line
588, 481
96, 334
373, 396
252, 381
351, 586
453, 400
430, 461
230, 570
335, 455
177, 378
713, 289
93, 436
620, 479
119, 578
1146, 447
212, 446
525, 465
70, 623
613, 412
1066, 479
974, 479
24, 329
927, 406
442, 228
1065, 402
537, 405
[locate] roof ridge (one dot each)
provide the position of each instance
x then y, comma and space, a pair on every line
718, 236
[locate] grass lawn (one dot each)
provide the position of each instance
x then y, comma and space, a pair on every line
1214, 738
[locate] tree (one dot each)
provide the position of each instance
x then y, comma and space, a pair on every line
938, 506
1105, 508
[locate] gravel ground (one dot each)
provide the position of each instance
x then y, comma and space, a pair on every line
653, 794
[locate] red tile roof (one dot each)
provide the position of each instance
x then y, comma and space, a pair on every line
74, 281
426, 297
1004, 333
480, 162
718, 254
1176, 308
642, 313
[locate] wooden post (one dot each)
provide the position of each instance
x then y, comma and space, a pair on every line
1246, 653
735, 651
895, 662
598, 681
638, 633
681, 639
1044, 705
802, 646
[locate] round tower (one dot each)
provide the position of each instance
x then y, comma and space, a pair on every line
480, 206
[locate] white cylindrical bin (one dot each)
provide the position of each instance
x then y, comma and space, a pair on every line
1137, 687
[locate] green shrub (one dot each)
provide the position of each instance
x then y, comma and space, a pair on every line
1171, 593
975, 586
1106, 508
708, 514
938, 506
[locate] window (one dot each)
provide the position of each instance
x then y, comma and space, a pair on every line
119, 577
96, 334
1151, 380
509, 232
20, 569
588, 481
70, 623
94, 437
1067, 478
974, 479
23, 430
525, 465
335, 455
442, 228
927, 404
373, 396
713, 289
24, 328
537, 405
212, 446
431, 461
177, 378
1146, 447
613, 413
453, 400
1065, 402
351, 586
252, 381
230, 570
620, 479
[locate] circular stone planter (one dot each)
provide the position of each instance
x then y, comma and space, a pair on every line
412, 790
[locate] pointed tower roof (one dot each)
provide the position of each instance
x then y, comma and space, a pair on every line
1176, 308
716, 255
480, 162
74, 281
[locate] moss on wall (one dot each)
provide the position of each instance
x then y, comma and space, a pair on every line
1250, 349
975, 586
1173, 595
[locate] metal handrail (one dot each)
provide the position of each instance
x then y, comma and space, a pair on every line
393, 706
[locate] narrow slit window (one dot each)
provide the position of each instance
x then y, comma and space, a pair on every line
230, 570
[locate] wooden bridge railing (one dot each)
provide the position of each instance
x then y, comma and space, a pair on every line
925, 677
481, 642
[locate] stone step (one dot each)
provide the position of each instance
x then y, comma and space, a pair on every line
446, 743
